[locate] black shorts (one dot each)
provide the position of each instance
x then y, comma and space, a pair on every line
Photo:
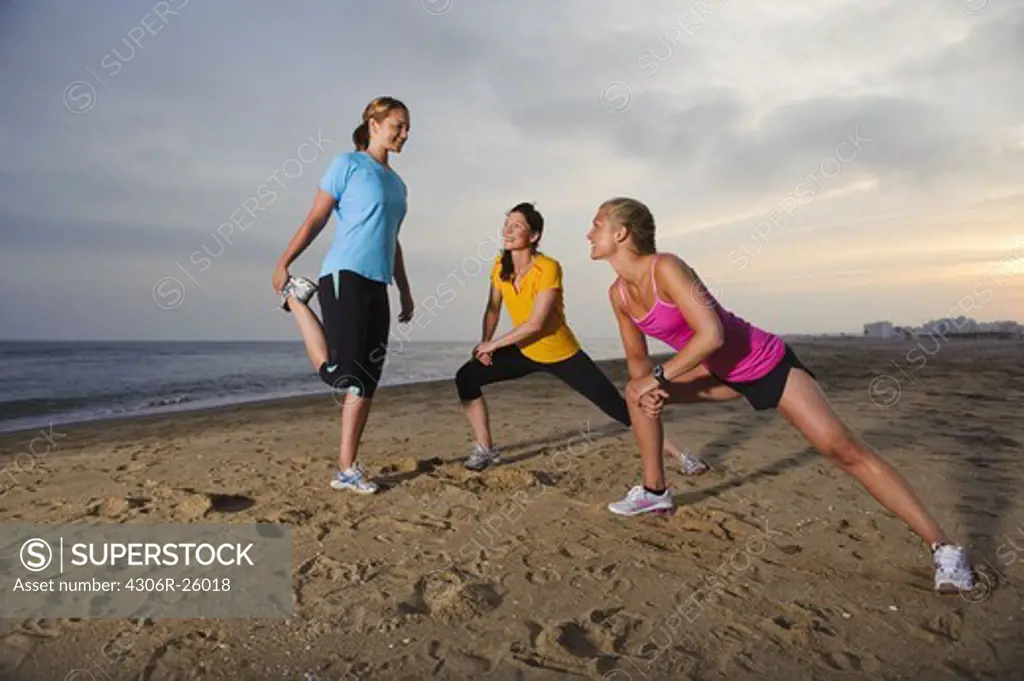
357, 321
765, 392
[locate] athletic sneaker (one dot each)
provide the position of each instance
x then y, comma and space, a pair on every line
691, 465
481, 457
300, 287
639, 500
953, 573
354, 479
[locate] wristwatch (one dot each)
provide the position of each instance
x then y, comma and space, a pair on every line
659, 375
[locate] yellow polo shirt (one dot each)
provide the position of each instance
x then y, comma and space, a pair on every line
556, 341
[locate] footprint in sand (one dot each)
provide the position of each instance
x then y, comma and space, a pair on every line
18, 645
608, 578
462, 664
190, 651
842, 661
295, 516
592, 640
14, 648
448, 596
42, 628
577, 551
576, 638
618, 626
109, 509
580, 641
947, 625
133, 466
542, 576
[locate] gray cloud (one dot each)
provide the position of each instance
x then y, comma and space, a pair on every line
724, 124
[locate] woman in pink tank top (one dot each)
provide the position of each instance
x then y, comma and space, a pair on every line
720, 356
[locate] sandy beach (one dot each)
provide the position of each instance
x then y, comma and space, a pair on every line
776, 565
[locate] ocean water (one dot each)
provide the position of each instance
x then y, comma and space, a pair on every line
70, 382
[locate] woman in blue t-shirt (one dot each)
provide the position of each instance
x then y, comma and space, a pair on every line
368, 200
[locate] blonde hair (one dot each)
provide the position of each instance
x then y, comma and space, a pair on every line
636, 218
377, 110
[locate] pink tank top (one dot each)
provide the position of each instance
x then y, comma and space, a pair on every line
748, 354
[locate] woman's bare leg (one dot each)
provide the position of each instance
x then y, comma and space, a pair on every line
355, 410
479, 420
695, 386
354, 414
649, 437
668, 447
689, 463
311, 330
805, 406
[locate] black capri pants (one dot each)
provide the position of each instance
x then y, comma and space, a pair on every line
579, 372
357, 321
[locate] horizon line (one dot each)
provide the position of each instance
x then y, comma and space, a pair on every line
299, 340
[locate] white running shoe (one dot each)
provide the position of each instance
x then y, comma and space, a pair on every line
691, 465
300, 287
639, 500
354, 479
953, 572
482, 457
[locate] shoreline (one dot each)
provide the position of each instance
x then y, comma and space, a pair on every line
299, 400
190, 417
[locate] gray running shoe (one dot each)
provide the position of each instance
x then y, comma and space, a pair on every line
953, 572
481, 457
300, 287
354, 479
691, 465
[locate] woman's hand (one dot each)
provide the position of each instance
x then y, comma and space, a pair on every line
482, 352
638, 387
280, 277
408, 305
653, 403
647, 394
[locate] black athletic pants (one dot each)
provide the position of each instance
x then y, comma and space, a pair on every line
356, 322
579, 372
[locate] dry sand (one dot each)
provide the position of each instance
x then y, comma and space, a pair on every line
776, 566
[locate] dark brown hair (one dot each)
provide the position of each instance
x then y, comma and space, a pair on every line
636, 218
377, 110
536, 222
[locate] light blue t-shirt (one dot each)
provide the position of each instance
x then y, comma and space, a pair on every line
371, 204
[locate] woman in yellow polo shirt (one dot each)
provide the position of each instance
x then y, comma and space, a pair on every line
530, 284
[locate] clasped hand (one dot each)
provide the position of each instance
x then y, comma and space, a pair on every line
647, 394
483, 351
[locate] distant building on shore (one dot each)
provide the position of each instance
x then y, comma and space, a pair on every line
878, 330
945, 327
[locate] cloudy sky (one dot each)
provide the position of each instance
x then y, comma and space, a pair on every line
820, 164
